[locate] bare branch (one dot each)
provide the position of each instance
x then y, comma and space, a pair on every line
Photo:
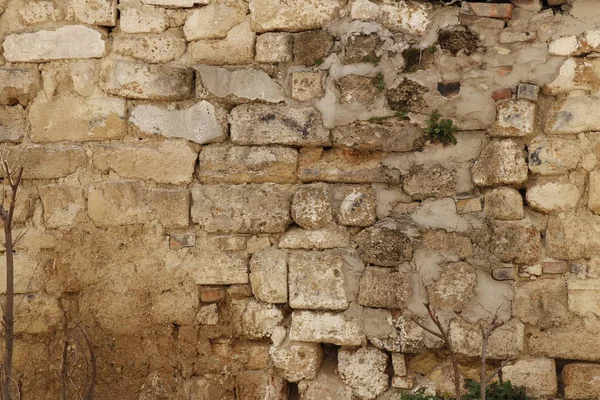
426, 328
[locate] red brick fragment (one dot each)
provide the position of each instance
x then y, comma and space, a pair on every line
502, 94
212, 295
554, 267
490, 10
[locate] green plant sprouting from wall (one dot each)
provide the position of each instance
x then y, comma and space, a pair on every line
440, 130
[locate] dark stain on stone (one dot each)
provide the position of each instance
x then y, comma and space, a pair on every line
456, 39
534, 156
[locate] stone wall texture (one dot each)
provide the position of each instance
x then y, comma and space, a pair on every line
240, 200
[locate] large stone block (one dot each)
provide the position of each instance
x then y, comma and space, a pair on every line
387, 136
13, 123
516, 241
317, 281
297, 360
505, 342
253, 319
77, 119
383, 288
67, 42
130, 202
340, 165
447, 243
433, 181
45, 162
575, 74
200, 123
326, 327
573, 115
364, 370
143, 19
537, 375
553, 197
311, 206
247, 164
214, 20
300, 15
62, 204
542, 302
169, 162
260, 124
354, 205
504, 204
502, 162
274, 47
311, 46
236, 48
136, 80
454, 288
573, 235
251, 385
242, 208
269, 276
307, 85
152, 48
92, 12
411, 18
581, 381
553, 156
324, 238
514, 118
18, 85
571, 341
583, 296
326, 386
384, 246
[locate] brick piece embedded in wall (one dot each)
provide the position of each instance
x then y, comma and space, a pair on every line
503, 11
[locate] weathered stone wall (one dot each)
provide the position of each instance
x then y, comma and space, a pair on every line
238, 199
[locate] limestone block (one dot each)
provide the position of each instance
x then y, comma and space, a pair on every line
581, 381
326, 327
448, 243
208, 315
571, 341
594, 191
312, 46
317, 281
176, 3
241, 209
383, 288
502, 162
13, 123
170, 162
362, 48
260, 385
214, 20
269, 276
152, 48
92, 12
77, 119
143, 19
505, 342
311, 206
563, 46
18, 85
34, 13
583, 296
434, 181
301, 15
354, 205
573, 235
403, 382
542, 302
46, 162
553, 156
514, 118
297, 360
274, 47
517, 37
253, 319
537, 375
136, 80
388, 136
258, 124
587, 42
130, 202
399, 364
306, 85
62, 204
236, 48
454, 288
200, 123
238, 85
67, 42
339, 165
326, 386
411, 18
362, 89
384, 246
468, 206
323, 238
553, 197
364, 371
406, 337
573, 115
247, 164
504, 204
516, 241
575, 74
364, 9
232, 243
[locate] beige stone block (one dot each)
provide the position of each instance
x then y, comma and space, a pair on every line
516, 241
594, 191
208, 315
364, 370
92, 12
297, 360
323, 238
553, 197
514, 118
454, 288
247, 164
13, 123
584, 296
384, 246
214, 20
326, 327
260, 385
505, 342
62, 204
501, 162
143, 19
50, 162
356, 88
553, 156
176, 3
311, 206
232, 243
253, 319
326, 386
339, 165
301, 15
390, 135
18, 85
581, 381
575, 74
269, 276
573, 115
364, 9
571, 341
236, 48
384, 288
537, 375
306, 85
411, 18
28, 275
467, 206
169, 162
274, 47
152, 48
130, 202
449, 243
580, 229
542, 302
399, 364
504, 204
433, 181
354, 205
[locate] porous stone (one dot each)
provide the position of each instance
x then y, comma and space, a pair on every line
297, 360
396, 135
504, 204
13, 123
553, 156
399, 364
274, 47
362, 89
152, 48
301, 15
241, 84
143, 19
260, 385
236, 48
362, 47
260, 124
454, 288
383, 288
18, 85
269, 275
92, 12
326, 327
467, 206
502, 162
176, 3
67, 42
317, 281
135, 80
241, 209
323, 238
573, 235
306, 85
62, 204
51, 162
364, 370
364, 9
130, 202
214, 20
447, 243
594, 191
411, 18
575, 74
247, 164
537, 375
434, 181
516, 241
326, 386
355, 205
403, 382
579, 294
170, 162
253, 319
581, 381
564, 46
208, 315
384, 246
311, 206
571, 341
542, 302
199, 123
505, 342
553, 197
517, 37
340, 165
515, 118
573, 115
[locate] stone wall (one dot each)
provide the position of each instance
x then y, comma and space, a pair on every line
238, 199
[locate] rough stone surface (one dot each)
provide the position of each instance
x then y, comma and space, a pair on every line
339, 165
268, 276
454, 288
274, 47
594, 191
260, 385
73, 41
447, 243
405, 17
504, 204
18, 85
241, 209
356, 206
426, 182
62, 204
573, 235
516, 241
310, 48
575, 74
579, 294
324, 238
306, 85
501, 162
553, 197
214, 20
399, 136
175, 3
384, 246
514, 118
537, 375
581, 381
44, 162
302, 15
326, 327
143, 19
362, 89
553, 156
152, 48
13, 123
297, 360
255, 320
236, 48
542, 302
505, 342
311, 206
573, 115
326, 386
364, 371
92, 12
383, 288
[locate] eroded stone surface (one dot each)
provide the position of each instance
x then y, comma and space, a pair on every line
18, 85
553, 197
572, 235
339, 165
13, 123
501, 162
364, 371
434, 181
214, 20
579, 294
311, 206
383, 288
573, 115
514, 119
362, 135
62, 204
325, 238
326, 327
553, 156
384, 246
517, 241
454, 288
152, 48
268, 276
92, 12
297, 360
236, 48
537, 375
542, 302
505, 342
355, 205
581, 381
274, 47
301, 15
